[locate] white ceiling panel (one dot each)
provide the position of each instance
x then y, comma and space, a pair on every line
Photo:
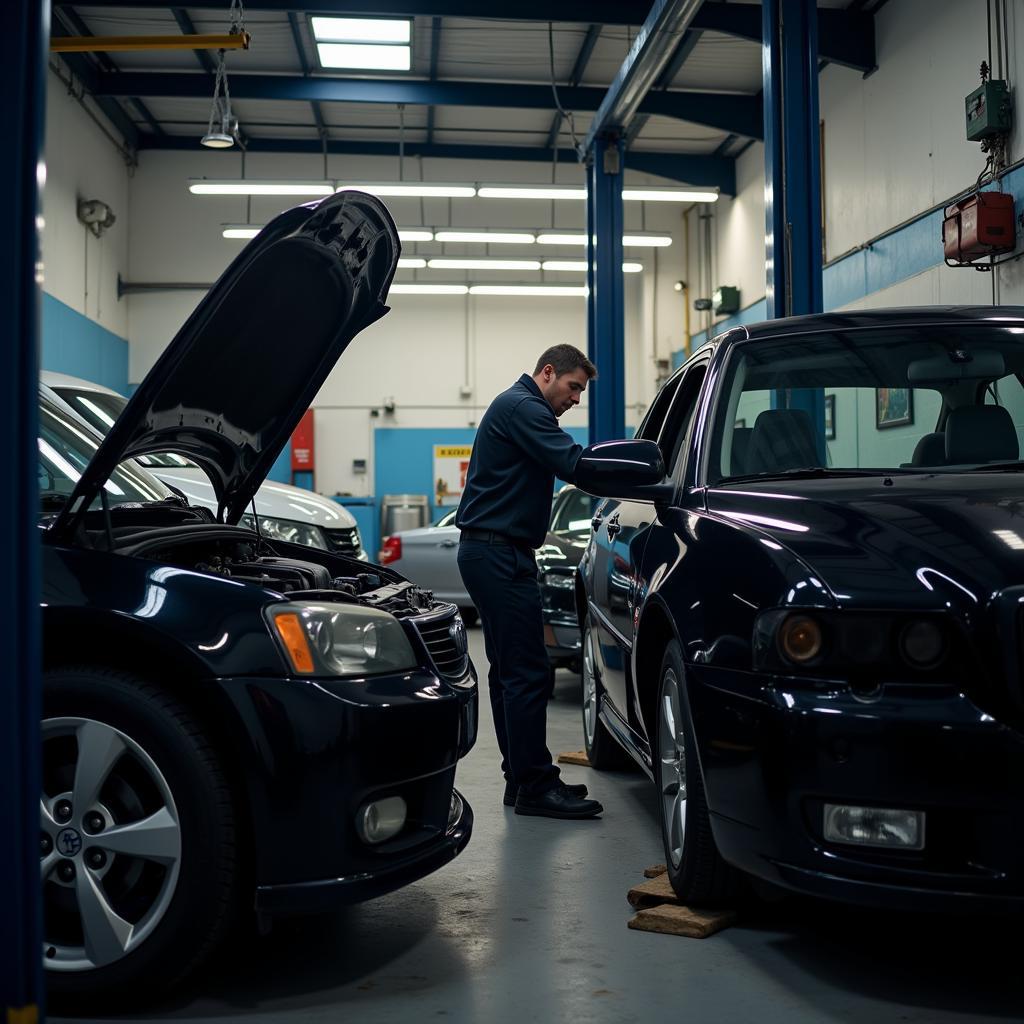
721, 63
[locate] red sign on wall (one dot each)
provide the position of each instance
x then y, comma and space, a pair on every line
304, 444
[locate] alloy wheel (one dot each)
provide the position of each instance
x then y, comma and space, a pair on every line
672, 767
589, 688
110, 844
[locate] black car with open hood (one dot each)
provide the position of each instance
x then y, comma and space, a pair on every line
232, 725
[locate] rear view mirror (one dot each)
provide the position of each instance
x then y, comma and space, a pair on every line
630, 470
959, 364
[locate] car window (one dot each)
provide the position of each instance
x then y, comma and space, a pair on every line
680, 416
448, 519
882, 399
650, 428
574, 513
100, 410
65, 449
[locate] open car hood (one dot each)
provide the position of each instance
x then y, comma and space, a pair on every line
233, 384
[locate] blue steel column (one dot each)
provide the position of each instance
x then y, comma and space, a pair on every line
23, 51
792, 157
606, 321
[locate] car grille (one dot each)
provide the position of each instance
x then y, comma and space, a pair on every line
448, 648
344, 541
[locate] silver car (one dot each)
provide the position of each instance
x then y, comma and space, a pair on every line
429, 557
286, 513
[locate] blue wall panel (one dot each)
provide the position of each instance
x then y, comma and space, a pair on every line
74, 344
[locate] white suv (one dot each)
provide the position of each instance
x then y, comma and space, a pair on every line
286, 513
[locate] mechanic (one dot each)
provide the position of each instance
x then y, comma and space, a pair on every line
503, 518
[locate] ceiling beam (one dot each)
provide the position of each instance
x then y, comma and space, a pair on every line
575, 77
651, 51
730, 113
665, 79
206, 62
845, 37
435, 52
698, 170
605, 12
307, 69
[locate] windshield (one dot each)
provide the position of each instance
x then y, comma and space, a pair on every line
101, 409
65, 448
899, 399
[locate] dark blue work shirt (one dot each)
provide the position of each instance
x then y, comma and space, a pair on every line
518, 452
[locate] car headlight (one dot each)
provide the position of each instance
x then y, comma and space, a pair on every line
323, 638
560, 580
287, 530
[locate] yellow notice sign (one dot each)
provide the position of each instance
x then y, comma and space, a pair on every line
451, 464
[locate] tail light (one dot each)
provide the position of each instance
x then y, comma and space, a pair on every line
392, 550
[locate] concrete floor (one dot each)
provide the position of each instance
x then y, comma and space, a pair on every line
529, 924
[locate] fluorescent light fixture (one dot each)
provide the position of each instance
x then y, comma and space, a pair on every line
415, 235
531, 192
255, 187
435, 190
361, 30
367, 56
581, 266
428, 289
527, 289
241, 230
483, 264
504, 237
669, 195
411, 263
647, 239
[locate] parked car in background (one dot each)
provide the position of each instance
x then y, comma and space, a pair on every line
801, 605
286, 513
232, 724
428, 555
566, 540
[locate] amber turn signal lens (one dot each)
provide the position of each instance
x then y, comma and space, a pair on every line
293, 636
800, 639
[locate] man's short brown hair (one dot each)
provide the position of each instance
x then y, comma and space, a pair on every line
565, 359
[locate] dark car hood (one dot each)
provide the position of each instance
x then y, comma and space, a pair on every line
562, 551
233, 384
924, 539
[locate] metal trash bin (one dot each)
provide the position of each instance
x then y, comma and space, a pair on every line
403, 512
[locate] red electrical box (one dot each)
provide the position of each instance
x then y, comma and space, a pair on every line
304, 444
980, 225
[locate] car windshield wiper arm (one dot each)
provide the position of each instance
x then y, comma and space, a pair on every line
809, 473
997, 467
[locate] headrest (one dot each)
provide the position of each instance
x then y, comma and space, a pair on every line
980, 433
930, 450
782, 439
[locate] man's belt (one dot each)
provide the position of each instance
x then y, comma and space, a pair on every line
493, 537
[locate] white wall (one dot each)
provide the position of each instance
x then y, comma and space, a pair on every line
418, 353
81, 162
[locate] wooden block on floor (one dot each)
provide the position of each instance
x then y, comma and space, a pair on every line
654, 870
574, 757
650, 894
678, 920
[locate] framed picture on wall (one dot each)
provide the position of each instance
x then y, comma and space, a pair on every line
894, 407
830, 417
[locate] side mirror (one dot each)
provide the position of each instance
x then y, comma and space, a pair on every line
630, 470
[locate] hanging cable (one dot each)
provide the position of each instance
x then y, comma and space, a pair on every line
567, 116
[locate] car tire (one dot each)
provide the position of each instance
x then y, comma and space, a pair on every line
602, 751
146, 887
698, 873
470, 616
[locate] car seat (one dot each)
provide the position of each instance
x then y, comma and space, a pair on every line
782, 439
740, 450
980, 433
930, 450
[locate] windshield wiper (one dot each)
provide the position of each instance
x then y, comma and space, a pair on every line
996, 467
809, 473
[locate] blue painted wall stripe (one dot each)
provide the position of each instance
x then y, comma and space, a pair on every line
74, 344
895, 257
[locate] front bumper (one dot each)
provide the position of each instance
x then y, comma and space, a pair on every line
561, 636
309, 753
772, 761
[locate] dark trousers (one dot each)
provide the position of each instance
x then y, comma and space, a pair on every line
502, 581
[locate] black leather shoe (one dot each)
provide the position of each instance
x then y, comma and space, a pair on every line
559, 802
511, 790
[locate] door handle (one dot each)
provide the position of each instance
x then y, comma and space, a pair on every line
613, 526
449, 543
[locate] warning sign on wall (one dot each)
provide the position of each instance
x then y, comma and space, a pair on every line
451, 464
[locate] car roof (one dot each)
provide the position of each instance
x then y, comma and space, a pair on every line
55, 380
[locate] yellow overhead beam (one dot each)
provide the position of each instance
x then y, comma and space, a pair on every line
108, 44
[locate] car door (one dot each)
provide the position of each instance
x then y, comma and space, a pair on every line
619, 531
430, 558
